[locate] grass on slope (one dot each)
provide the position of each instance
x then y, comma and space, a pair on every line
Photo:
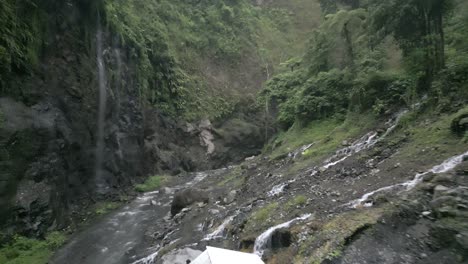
327, 135
430, 136
24, 250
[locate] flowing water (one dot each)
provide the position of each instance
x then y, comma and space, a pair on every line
219, 232
263, 241
277, 189
114, 239
100, 184
365, 142
445, 166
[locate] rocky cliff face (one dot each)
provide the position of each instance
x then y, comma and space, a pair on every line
49, 133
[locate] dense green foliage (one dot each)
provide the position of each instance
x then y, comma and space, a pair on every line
20, 39
360, 60
173, 40
24, 250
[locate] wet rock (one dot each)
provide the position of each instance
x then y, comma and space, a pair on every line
281, 238
180, 256
230, 197
443, 178
429, 177
186, 198
460, 124
439, 189
386, 152
247, 243
443, 201
252, 166
462, 239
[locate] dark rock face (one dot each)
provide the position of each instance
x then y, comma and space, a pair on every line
186, 198
281, 238
460, 124
236, 139
48, 132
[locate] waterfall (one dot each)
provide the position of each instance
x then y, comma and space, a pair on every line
445, 166
101, 108
264, 239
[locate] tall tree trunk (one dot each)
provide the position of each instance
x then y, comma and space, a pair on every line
349, 45
441, 42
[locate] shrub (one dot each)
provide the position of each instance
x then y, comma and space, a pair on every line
23, 250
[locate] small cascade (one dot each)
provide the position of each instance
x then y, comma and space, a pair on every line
300, 150
340, 155
365, 142
264, 239
220, 231
147, 260
118, 79
100, 184
445, 166
277, 189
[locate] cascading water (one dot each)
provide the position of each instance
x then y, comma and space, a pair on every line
100, 184
445, 166
118, 79
277, 189
219, 232
264, 239
147, 260
365, 142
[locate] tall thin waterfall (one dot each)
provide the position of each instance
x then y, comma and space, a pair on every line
101, 109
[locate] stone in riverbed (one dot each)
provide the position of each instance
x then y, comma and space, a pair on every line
186, 198
439, 189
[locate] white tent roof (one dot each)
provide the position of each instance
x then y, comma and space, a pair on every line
214, 255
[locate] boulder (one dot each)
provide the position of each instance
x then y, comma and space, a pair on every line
460, 124
186, 198
462, 239
230, 197
439, 190
281, 238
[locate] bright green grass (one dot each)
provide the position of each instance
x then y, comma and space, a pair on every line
151, 184
106, 207
24, 250
299, 200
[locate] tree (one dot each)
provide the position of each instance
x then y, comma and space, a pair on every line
415, 24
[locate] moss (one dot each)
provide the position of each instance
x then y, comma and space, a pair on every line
328, 241
261, 218
299, 200
102, 208
24, 250
151, 184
